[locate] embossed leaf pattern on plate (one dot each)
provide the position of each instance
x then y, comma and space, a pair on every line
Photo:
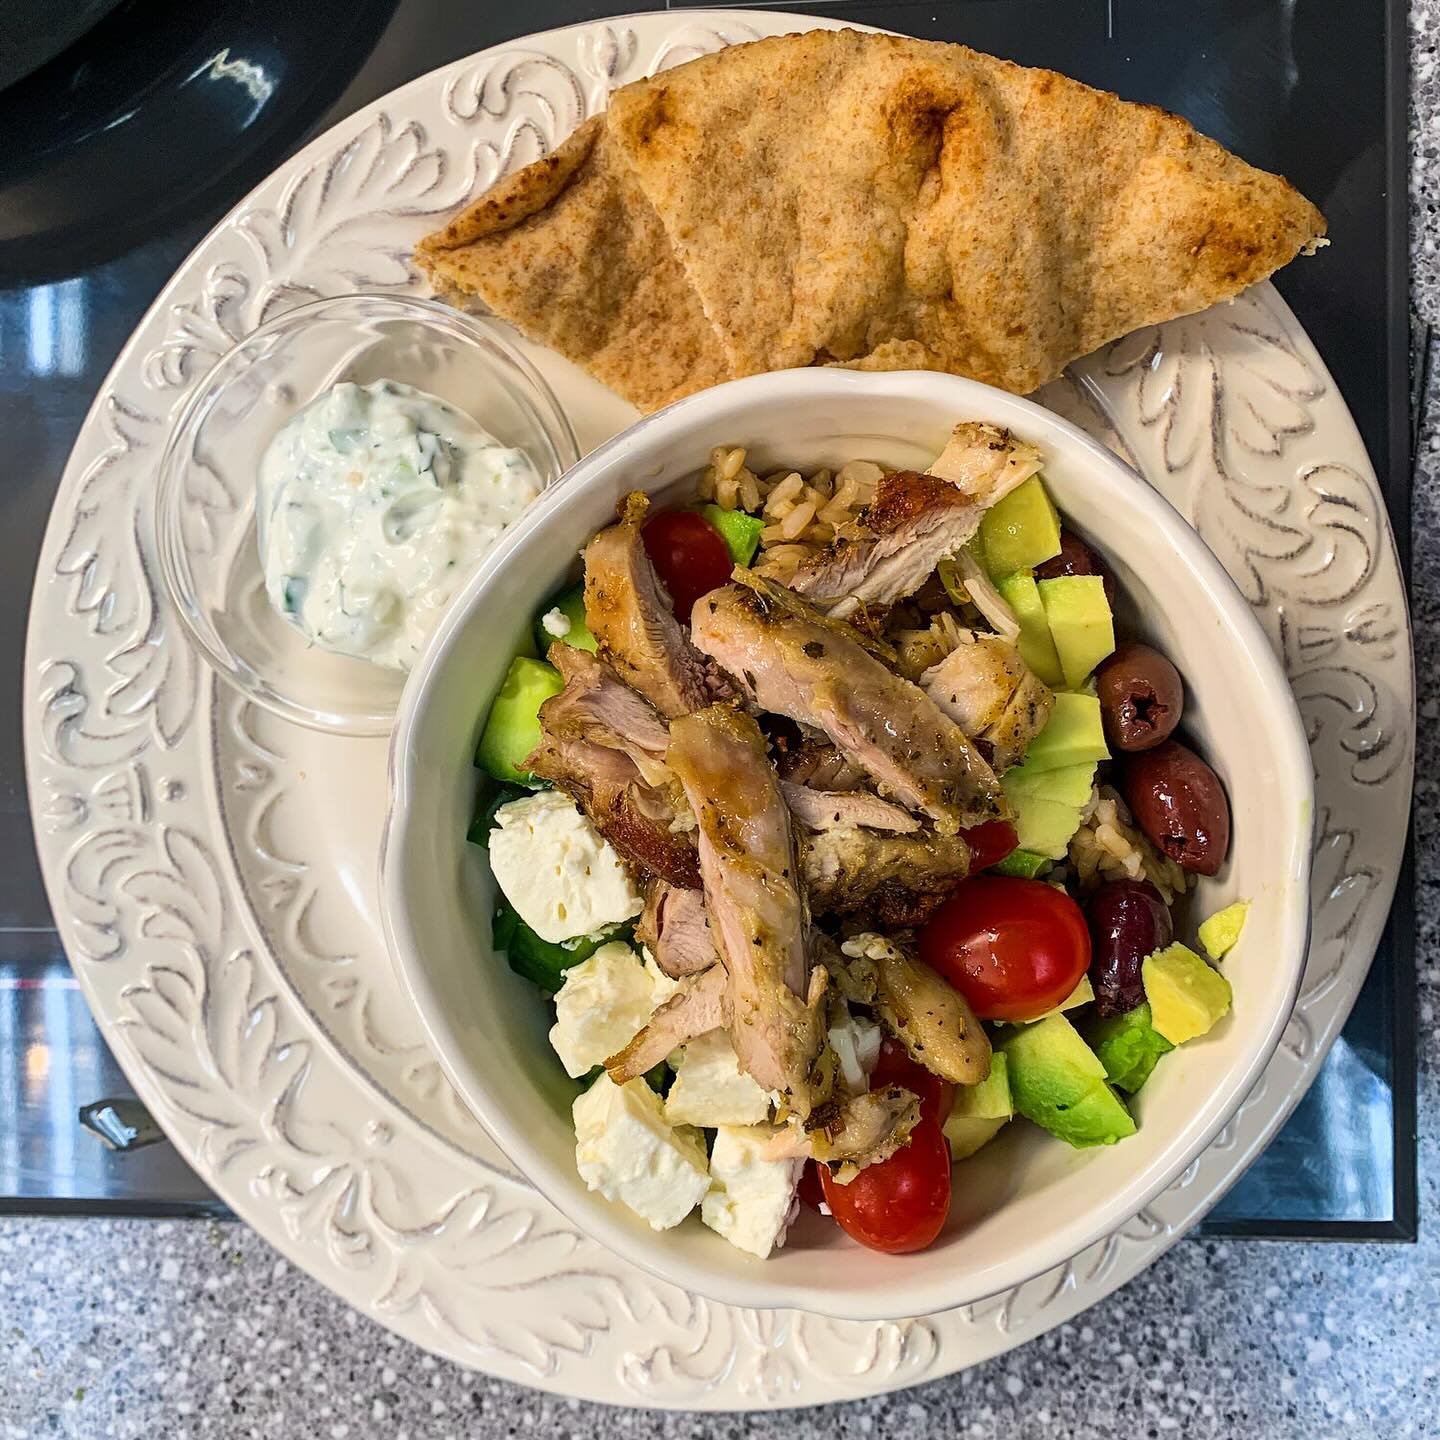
223, 932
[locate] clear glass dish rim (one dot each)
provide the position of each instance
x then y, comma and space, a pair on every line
172, 559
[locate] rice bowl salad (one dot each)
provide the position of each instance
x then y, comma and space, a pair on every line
843, 831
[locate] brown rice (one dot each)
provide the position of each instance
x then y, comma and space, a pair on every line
1107, 846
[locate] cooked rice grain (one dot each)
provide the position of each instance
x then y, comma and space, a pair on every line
1107, 846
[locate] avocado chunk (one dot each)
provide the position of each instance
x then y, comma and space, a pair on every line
1035, 645
739, 531
1058, 1082
1022, 864
1219, 933
1186, 995
1067, 785
1020, 531
1128, 1046
1080, 623
1042, 826
512, 729
565, 613
980, 1111
1074, 735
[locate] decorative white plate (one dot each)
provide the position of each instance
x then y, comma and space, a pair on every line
213, 870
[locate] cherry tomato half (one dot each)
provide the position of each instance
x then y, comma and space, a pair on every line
900, 1204
990, 843
688, 555
895, 1067
1013, 948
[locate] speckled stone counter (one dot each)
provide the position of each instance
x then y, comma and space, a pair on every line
141, 1328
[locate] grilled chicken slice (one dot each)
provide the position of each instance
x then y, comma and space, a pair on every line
752, 893
696, 1008
899, 879
916, 520
597, 706
860, 1131
807, 669
990, 693
921, 1009
830, 809
629, 614
635, 817
674, 929
821, 766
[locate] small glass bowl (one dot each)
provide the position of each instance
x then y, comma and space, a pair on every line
205, 497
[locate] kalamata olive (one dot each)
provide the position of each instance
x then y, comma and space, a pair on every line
1178, 801
1128, 921
1077, 558
1141, 697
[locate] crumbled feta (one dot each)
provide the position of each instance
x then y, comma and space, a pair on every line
710, 1088
625, 1149
751, 1200
604, 1002
561, 875
867, 946
555, 622
856, 1043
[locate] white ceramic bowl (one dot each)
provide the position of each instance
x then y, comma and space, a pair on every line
1027, 1202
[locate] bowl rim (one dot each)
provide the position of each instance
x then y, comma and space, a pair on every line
172, 559
912, 1294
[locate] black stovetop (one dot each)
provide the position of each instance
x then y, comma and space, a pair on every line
1312, 88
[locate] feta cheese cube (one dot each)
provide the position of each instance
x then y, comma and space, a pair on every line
625, 1149
555, 622
604, 1002
751, 1200
710, 1088
561, 875
856, 1043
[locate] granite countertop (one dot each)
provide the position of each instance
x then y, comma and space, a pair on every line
144, 1328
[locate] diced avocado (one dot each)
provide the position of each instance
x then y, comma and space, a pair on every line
1036, 647
1025, 864
1219, 933
1186, 995
1082, 994
1058, 1082
1128, 1046
1042, 826
1021, 531
1080, 623
966, 1136
543, 962
1068, 785
569, 608
512, 729
739, 531
990, 1099
1072, 736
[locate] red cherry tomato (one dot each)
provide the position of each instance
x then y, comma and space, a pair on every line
990, 843
1013, 948
900, 1204
895, 1067
689, 556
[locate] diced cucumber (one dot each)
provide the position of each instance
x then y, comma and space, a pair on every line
543, 962
1020, 531
490, 800
568, 608
512, 729
739, 531
1025, 864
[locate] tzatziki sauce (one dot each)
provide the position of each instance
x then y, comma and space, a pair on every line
374, 503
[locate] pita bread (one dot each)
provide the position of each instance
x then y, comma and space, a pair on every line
892, 203
568, 250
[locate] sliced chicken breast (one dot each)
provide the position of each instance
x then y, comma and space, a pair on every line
990, 693
756, 907
674, 928
900, 879
807, 669
696, 1008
